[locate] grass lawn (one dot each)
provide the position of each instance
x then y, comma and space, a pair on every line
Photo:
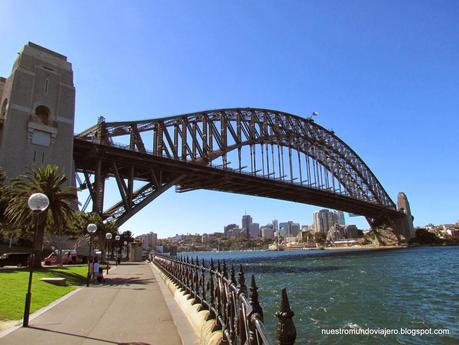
13, 288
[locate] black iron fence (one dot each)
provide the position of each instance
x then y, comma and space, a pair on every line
235, 308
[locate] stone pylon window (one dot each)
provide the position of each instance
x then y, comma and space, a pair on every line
4, 105
42, 113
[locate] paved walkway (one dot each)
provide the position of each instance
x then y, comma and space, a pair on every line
127, 309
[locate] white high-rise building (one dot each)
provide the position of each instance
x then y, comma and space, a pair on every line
323, 220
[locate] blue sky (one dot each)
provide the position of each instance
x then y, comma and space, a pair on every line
384, 75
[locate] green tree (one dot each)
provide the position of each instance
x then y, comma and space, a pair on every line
320, 237
425, 237
81, 221
3, 196
48, 180
7, 230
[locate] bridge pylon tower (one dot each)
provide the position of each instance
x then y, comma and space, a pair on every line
37, 110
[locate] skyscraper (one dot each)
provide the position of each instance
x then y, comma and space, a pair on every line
339, 217
290, 228
323, 220
246, 221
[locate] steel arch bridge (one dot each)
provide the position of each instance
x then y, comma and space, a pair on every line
242, 150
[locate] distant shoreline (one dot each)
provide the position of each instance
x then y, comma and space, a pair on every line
368, 248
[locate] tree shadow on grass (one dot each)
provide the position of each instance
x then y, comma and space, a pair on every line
62, 272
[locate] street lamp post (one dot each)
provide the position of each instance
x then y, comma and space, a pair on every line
38, 202
108, 237
125, 245
117, 239
91, 229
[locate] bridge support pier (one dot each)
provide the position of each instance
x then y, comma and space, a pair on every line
394, 230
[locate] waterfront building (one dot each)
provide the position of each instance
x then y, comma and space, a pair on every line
339, 217
306, 235
335, 233
148, 241
290, 228
339, 232
254, 230
351, 231
236, 232
323, 220
267, 232
228, 227
294, 229
177, 237
275, 224
206, 238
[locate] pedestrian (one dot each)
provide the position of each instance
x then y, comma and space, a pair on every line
100, 275
95, 269
91, 270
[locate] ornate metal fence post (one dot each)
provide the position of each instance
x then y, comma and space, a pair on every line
236, 312
242, 289
286, 331
232, 305
193, 282
217, 288
256, 313
211, 290
202, 283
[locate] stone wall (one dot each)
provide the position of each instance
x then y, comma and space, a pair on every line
202, 327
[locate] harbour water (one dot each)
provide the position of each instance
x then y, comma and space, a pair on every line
414, 288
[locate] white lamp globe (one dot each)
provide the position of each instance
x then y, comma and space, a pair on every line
38, 202
108, 236
117, 237
91, 228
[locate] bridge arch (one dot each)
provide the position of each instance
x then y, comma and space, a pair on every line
251, 136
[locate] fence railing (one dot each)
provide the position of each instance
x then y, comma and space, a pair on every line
235, 308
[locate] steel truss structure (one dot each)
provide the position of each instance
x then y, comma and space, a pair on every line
242, 150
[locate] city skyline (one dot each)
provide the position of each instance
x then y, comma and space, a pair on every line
248, 220
384, 78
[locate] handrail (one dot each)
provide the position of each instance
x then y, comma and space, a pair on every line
235, 308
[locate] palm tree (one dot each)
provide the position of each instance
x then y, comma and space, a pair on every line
50, 181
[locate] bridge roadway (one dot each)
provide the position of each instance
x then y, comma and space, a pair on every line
196, 176
128, 308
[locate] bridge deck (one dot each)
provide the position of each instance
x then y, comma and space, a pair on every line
196, 176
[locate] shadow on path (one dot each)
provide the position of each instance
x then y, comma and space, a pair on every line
73, 335
117, 281
86, 337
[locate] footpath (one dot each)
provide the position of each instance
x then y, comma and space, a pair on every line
128, 308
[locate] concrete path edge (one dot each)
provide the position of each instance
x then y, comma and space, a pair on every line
39, 312
184, 328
